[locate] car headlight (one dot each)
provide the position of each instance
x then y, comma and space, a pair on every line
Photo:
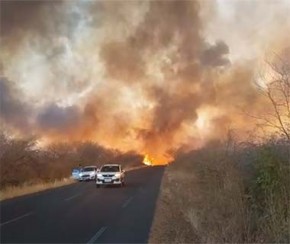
99, 175
117, 175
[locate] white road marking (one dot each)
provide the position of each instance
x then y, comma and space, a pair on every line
18, 218
98, 234
72, 197
127, 202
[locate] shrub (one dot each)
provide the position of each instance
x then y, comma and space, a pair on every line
21, 161
270, 198
234, 194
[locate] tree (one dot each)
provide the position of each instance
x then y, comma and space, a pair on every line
274, 85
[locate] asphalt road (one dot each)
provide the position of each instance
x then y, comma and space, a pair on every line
82, 213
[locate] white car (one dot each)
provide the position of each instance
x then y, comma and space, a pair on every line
88, 173
110, 174
75, 174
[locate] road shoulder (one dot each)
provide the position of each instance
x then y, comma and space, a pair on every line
170, 224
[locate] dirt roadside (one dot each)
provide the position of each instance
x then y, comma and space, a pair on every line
170, 225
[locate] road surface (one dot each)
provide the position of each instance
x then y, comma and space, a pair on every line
81, 213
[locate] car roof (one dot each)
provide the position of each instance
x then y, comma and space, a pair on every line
111, 165
93, 166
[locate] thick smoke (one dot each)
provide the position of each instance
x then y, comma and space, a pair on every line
58, 118
215, 55
23, 116
130, 75
13, 111
167, 25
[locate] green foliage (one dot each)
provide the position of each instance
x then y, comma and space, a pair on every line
268, 172
269, 191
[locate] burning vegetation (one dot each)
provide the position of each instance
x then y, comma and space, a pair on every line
147, 160
182, 81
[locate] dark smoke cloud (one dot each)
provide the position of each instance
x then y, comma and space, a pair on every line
138, 72
165, 25
123, 61
53, 117
14, 111
39, 23
22, 16
216, 55
18, 114
26, 20
166, 21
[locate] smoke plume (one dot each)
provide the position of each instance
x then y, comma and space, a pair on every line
151, 76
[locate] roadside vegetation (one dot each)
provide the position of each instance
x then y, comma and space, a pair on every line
28, 188
25, 166
231, 191
227, 193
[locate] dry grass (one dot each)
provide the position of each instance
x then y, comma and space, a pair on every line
212, 195
16, 191
169, 224
22, 161
28, 188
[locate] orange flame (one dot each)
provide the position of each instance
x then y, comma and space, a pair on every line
147, 160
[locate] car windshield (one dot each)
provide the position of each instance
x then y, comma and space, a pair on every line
88, 169
110, 169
